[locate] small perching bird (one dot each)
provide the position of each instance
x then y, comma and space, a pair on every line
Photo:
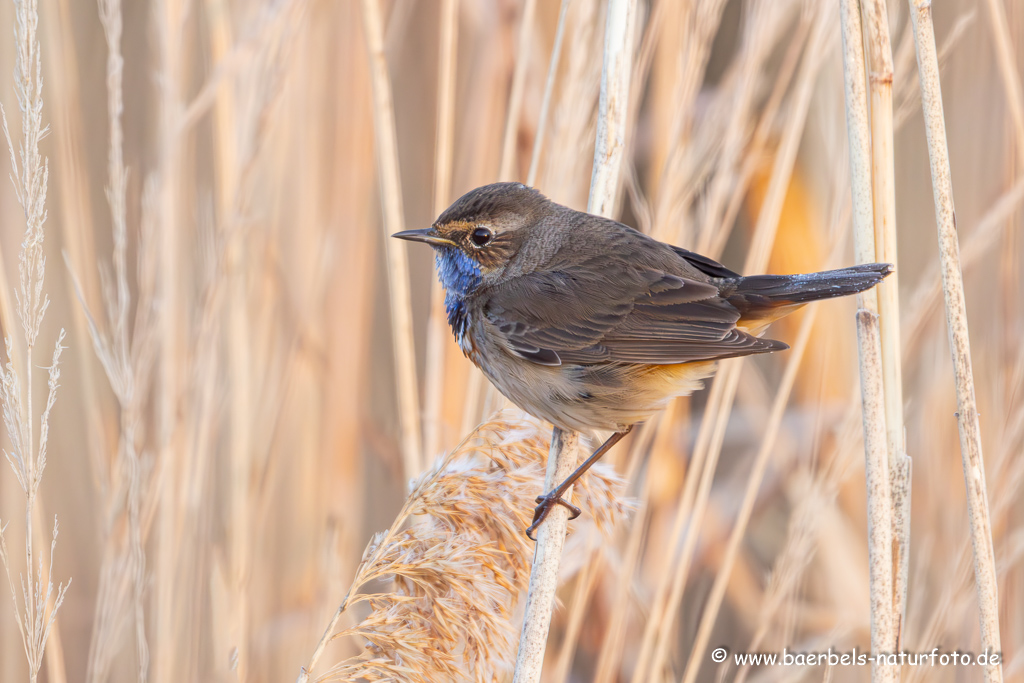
591, 325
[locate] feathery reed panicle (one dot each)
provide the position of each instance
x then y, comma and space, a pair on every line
127, 355
36, 609
458, 562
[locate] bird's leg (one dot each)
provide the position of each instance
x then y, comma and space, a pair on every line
554, 497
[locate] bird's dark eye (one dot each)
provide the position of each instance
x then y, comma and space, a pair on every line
481, 236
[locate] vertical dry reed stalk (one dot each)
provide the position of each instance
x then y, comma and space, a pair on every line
883, 179
723, 391
513, 112
707, 621
549, 88
256, 372
393, 221
754, 482
986, 582
195, 296
480, 398
673, 181
74, 202
572, 118
1007, 64
547, 555
609, 153
444, 148
169, 18
877, 470
36, 612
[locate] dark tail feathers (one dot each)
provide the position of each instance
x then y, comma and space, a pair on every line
756, 293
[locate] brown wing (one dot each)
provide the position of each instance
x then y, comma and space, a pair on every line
606, 311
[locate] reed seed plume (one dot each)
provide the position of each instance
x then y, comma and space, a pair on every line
457, 561
36, 608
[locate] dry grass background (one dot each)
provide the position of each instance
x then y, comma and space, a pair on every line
232, 429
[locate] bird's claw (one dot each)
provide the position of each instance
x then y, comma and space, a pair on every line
545, 504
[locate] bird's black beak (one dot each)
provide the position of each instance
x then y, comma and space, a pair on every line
427, 235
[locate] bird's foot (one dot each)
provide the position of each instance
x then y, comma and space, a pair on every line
545, 504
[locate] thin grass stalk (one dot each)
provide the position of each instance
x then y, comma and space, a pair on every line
166, 632
986, 581
675, 175
586, 582
729, 191
727, 378
226, 153
609, 151
785, 157
515, 98
437, 335
756, 262
1007, 63
712, 241
800, 548
7, 311
661, 613
609, 661
660, 606
900, 479
1009, 260
471, 408
481, 398
983, 237
245, 115
549, 87
76, 225
883, 180
883, 633
665, 420
393, 221
574, 108
754, 480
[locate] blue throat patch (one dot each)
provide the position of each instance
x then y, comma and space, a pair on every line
459, 276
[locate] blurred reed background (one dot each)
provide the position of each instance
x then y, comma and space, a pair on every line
231, 428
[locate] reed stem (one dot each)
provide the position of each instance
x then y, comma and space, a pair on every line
876, 453
883, 180
986, 583
437, 334
393, 221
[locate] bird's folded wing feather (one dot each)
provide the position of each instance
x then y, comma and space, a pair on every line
611, 312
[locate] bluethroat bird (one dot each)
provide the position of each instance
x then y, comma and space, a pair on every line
591, 325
